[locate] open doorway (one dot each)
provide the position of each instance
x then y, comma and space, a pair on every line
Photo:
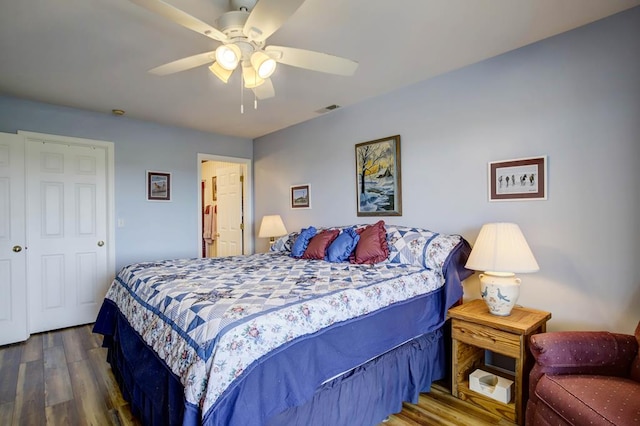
225, 211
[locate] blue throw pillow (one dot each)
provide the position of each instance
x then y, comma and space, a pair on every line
302, 241
341, 248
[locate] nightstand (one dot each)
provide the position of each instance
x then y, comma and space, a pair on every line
474, 330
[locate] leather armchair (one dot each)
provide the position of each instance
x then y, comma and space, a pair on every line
584, 377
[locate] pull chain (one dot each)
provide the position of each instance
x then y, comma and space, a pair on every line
241, 97
255, 99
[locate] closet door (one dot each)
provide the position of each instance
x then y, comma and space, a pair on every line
67, 231
13, 291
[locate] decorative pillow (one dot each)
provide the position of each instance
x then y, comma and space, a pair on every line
302, 241
341, 248
408, 245
285, 243
372, 247
317, 247
420, 247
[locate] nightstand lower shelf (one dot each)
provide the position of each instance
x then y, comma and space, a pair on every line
507, 411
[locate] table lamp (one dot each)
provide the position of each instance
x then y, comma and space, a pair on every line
272, 227
501, 251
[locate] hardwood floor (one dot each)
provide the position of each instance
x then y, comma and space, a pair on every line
62, 378
440, 408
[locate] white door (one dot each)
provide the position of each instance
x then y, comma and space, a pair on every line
13, 292
66, 200
229, 237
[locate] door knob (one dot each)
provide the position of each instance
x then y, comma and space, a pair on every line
100, 243
17, 249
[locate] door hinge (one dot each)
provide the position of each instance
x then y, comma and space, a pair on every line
241, 178
242, 226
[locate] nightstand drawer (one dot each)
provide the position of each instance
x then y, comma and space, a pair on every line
486, 337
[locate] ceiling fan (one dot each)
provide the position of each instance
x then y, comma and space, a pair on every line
243, 32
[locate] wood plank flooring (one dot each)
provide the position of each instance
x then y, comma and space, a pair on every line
440, 408
62, 378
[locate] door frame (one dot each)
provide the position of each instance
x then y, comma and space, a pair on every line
110, 181
247, 235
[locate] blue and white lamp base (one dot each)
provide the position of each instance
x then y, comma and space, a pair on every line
500, 292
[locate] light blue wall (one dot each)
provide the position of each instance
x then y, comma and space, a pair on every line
152, 230
574, 97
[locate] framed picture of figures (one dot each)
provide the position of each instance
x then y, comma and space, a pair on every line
378, 177
519, 179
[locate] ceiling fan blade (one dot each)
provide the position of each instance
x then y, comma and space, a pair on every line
265, 90
311, 60
185, 63
182, 18
267, 16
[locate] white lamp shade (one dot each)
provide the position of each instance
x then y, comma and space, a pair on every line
221, 73
501, 247
228, 56
271, 226
263, 64
250, 77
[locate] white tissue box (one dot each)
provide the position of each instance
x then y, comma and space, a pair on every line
491, 385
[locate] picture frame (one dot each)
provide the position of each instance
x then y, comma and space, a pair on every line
158, 186
518, 179
214, 188
378, 177
301, 196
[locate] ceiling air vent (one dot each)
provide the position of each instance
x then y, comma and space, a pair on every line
328, 108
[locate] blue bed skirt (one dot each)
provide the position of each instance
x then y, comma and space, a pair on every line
368, 394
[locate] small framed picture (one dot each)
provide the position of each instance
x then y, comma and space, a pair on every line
301, 196
214, 188
519, 179
158, 186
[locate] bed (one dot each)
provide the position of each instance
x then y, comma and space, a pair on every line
271, 339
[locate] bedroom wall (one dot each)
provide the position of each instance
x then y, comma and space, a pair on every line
152, 230
574, 97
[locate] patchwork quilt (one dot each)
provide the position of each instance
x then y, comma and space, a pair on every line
210, 320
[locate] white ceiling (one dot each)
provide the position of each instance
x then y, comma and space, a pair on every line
95, 54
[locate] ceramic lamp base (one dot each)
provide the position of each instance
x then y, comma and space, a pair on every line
500, 292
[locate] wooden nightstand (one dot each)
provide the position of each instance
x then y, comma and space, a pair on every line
474, 329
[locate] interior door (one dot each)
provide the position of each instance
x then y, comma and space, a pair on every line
229, 218
66, 232
13, 292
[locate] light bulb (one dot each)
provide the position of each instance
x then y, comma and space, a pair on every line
228, 56
263, 64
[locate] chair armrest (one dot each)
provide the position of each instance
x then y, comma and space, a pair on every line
584, 352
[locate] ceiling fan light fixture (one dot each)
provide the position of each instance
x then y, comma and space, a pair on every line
263, 64
250, 77
220, 72
228, 56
